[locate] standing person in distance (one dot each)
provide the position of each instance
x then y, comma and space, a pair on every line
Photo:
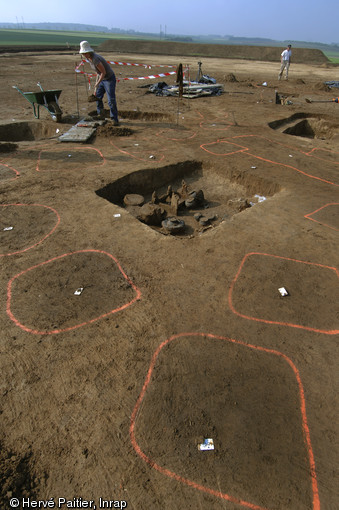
285, 62
105, 81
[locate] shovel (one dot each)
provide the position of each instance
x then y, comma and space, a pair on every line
335, 100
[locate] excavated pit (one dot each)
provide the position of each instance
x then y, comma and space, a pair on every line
225, 193
138, 115
27, 131
306, 126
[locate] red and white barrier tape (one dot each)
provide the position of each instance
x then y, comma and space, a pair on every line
140, 65
127, 64
151, 77
147, 66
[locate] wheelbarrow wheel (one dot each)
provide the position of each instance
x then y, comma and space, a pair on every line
55, 111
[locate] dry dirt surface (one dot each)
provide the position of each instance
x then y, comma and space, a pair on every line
126, 345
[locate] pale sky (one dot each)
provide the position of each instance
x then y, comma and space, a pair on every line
301, 20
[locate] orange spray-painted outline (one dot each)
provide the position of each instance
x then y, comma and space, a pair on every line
190, 483
160, 133
41, 240
293, 168
291, 147
246, 149
13, 169
308, 216
322, 159
36, 332
63, 149
294, 149
155, 160
242, 148
298, 326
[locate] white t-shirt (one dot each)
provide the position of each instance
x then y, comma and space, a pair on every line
286, 54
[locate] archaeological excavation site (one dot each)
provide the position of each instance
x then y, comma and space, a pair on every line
169, 286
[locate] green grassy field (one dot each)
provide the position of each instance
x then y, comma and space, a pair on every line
20, 37
333, 56
56, 38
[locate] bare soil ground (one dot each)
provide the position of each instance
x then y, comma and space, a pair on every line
172, 339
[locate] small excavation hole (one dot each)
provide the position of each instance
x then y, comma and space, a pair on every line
302, 125
27, 131
312, 128
136, 115
186, 192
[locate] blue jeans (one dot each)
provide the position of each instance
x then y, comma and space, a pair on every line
107, 86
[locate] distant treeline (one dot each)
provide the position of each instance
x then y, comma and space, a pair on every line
72, 27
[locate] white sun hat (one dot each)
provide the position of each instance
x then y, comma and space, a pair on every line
85, 47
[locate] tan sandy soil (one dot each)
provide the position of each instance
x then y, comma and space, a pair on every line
173, 338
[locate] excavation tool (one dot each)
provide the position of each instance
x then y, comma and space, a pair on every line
180, 83
180, 79
334, 100
199, 75
46, 98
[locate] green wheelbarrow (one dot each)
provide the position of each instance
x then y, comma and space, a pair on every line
46, 98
